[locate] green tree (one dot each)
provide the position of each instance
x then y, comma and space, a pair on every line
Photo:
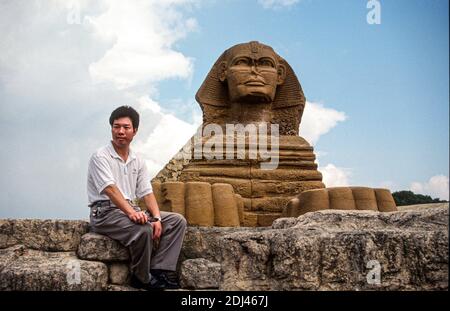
409, 198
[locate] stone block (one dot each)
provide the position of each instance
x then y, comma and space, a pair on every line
173, 197
119, 273
250, 219
286, 174
200, 274
199, 204
240, 206
331, 250
364, 198
43, 234
341, 198
23, 269
385, 200
313, 200
225, 207
99, 247
156, 185
240, 186
266, 219
262, 188
270, 204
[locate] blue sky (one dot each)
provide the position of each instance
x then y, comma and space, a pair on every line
378, 95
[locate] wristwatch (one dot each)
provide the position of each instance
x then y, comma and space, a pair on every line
155, 219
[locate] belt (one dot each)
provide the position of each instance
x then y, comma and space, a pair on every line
105, 203
96, 208
100, 203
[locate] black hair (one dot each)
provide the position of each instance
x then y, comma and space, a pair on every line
125, 111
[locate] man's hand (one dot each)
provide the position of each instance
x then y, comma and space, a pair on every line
153, 209
157, 230
138, 217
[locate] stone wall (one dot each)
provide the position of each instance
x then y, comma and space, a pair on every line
325, 250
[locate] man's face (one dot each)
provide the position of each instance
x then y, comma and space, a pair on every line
253, 76
123, 132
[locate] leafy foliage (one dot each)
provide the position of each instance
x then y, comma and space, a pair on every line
410, 198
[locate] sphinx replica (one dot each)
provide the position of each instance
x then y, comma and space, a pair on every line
249, 87
252, 104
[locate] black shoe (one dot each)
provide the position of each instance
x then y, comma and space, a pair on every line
168, 278
136, 283
153, 285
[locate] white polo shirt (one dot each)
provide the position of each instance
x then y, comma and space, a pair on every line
106, 167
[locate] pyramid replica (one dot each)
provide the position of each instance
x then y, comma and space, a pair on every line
247, 150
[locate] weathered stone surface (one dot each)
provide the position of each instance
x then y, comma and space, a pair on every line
26, 269
240, 208
203, 242
40, 234
227, 172
431, 218
226, 212
419, 207
331, 250
341, 198
121, 288
119, 273
200, 273
240, 186
385, 200
262, 188
95, 246
206, 205
259, 219
286, 174
325, 250
173, 197
156, 187
199, 204
270, 204
267, 191
266, 219
250, 219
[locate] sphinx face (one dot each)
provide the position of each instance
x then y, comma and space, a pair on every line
253, 77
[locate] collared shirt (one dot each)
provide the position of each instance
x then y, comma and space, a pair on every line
106, 168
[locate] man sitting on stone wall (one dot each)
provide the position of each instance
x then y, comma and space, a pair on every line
116, 177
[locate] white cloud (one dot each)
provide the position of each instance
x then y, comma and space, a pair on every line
144, 33
436, 187
146, 103
276, 4
318, 120
335, 176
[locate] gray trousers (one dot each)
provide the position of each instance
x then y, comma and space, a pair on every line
112, 222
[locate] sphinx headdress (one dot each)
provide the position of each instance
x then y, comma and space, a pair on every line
287, 106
